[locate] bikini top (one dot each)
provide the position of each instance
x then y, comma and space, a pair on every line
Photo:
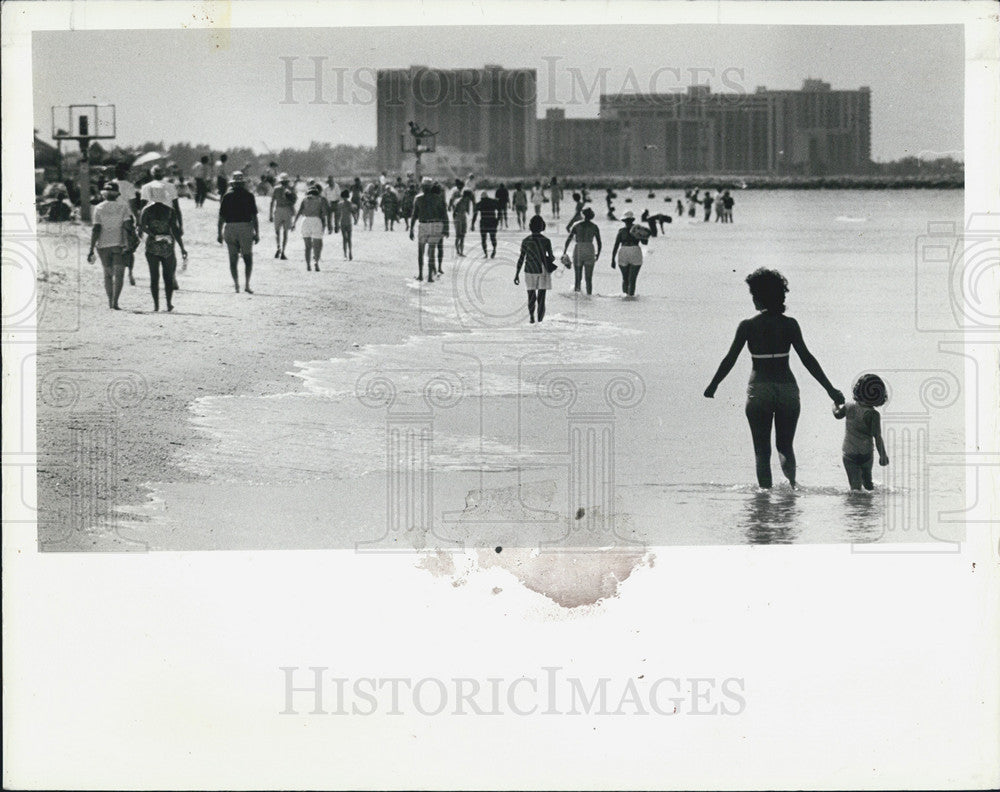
778, 355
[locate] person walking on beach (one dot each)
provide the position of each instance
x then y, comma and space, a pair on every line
200, 181
488, 213
222, 175
283, 201
314, 212
503, 201
536, 258
332, 194
862, 426
460, 218
555, 195
537, 197
630, 258
520, 203
389, 205
406, 203
585, 234
108, 236
238, 227
707, 202
158, 223
129, 195
430, 211
773, 394
438, 192
344, 223
158, 190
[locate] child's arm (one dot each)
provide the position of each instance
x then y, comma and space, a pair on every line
729, 360
883, 458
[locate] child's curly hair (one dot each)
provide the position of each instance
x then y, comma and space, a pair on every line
870, 390
768, 288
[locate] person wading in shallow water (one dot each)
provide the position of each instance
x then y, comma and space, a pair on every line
584, 234
430, 211
536, 257
238, 227
773, 394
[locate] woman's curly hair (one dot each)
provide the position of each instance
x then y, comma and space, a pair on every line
768, 288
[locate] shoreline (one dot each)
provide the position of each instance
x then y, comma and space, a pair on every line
135, 374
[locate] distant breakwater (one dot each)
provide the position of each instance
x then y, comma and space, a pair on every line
759, 182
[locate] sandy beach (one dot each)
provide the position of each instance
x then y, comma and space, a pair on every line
214, 342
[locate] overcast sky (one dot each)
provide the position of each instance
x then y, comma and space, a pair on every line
228, 88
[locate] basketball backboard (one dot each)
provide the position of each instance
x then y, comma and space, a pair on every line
83, 121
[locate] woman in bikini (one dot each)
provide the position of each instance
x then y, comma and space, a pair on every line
772, 394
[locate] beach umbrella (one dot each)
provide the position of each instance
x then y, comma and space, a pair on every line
145, 159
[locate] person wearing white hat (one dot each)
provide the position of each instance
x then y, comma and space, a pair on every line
281, 212
109, 234
628, 253
314, 212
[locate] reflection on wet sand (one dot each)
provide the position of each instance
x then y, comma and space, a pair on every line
771, 517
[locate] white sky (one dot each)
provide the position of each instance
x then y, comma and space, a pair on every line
227, 89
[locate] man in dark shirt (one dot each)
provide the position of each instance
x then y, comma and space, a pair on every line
430, 211
503, 200
238, 226
488, 213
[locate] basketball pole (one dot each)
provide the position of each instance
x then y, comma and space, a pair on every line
85, 215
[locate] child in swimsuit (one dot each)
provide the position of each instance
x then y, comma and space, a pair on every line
862, 426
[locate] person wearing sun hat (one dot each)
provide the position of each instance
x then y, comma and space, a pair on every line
282, 210
108, 236
238, 227
627, 253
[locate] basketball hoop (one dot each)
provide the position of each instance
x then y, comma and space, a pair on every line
83, 123
425, 143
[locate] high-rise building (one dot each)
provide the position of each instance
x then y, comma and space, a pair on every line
489, 111
813, 131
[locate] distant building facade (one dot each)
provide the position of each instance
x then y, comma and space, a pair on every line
490, 113
813, 131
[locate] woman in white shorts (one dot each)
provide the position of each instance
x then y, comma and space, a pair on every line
536, 258
315, 213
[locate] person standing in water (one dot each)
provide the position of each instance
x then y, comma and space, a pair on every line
555, 195
577, 211
707, 202
773, 394
520, 202
862, 426
585, 234
314, 212
629, 259
503, 201
536, 257
238, 227
537, 197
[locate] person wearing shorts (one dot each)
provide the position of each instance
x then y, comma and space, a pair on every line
627, 254
238, 227
111, 216
536, 255
585, 234
487, 211
314, 212
282, 210
430, 211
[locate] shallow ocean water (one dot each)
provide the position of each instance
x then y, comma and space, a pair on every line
590, 429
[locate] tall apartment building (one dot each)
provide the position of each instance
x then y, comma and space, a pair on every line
812, 131
489, 111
